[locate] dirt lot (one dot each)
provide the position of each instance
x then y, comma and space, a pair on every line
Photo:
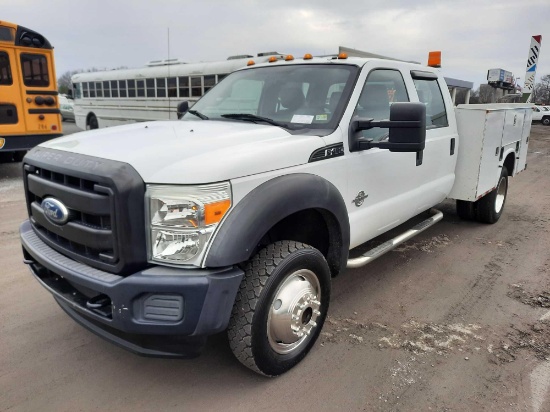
456, 319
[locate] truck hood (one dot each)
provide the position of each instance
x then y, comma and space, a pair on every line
189, 152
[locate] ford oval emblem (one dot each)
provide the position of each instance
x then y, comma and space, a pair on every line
55, 211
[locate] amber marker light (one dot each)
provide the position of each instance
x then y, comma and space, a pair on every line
308, 56
343, 56
251, 63
434, 59
289, 57
214, 212
272, 59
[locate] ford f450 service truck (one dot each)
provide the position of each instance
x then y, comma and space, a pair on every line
156, 235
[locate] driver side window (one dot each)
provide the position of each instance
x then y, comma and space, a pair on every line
382, 88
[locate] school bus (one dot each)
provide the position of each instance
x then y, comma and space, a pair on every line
29, 107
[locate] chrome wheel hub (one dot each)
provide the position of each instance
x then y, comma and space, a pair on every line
501, 194
294, 311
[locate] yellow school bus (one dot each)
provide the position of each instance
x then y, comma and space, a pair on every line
29, 107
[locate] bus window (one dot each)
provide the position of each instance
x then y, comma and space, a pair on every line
161, 87
35, 70
5, 70
172, 87
114, 88
7, 34
209, 82
106, 89
140, 88
85, 90
196, 86
221, 77
131, 88
77, 87
92, 89
184, 86
122, 88
98, 89
150, 83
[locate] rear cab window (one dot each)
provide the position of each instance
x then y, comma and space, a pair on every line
430, 94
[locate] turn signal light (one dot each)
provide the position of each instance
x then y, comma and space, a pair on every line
250, 63
214, 212
289, 57
308, 56
272, 59
343, 56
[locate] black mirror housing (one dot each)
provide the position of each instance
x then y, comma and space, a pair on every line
412, 135
407, 127
183, 107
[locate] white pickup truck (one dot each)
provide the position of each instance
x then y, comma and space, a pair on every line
541, 114
156, 235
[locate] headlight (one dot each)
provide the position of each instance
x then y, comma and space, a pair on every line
181, 220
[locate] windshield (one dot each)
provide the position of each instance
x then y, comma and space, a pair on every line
297, 97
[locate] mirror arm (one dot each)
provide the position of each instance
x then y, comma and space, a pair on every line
365, 144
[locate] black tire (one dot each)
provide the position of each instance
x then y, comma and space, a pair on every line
268, 276
18, 156
466, 210
546, 121
93, 123
490, 207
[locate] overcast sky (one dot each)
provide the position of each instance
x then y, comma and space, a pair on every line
473, 35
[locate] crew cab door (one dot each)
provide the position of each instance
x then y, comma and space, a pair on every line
396, 186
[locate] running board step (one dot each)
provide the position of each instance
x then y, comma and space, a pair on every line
396, 241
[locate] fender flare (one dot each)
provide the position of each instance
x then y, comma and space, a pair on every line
268, 204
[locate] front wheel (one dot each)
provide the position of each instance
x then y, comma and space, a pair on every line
93, 123
490, 207
280, 308
546, 121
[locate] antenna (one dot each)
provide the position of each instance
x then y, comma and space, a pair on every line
168, 78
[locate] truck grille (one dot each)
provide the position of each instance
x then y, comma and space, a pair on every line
104, 230
89, 232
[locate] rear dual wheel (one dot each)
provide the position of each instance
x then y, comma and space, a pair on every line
489, 208
280, 308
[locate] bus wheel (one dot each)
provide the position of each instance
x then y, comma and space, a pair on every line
92, 122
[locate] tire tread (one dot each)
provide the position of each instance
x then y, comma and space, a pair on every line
257, 272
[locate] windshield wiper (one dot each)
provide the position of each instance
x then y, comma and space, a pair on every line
198, 114
253, 117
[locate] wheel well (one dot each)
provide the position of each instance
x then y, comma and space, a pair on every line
89, 117
315, 227
509, 163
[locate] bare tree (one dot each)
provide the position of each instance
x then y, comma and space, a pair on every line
541, 91
64, 81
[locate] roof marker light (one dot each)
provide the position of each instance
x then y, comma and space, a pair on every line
272, 59
250, 63
289, 57
434, 59
343, 56
308, 56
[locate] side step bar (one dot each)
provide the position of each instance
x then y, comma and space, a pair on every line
396, 241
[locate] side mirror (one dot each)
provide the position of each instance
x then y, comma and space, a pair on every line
407, 126
182, 109
70, 93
